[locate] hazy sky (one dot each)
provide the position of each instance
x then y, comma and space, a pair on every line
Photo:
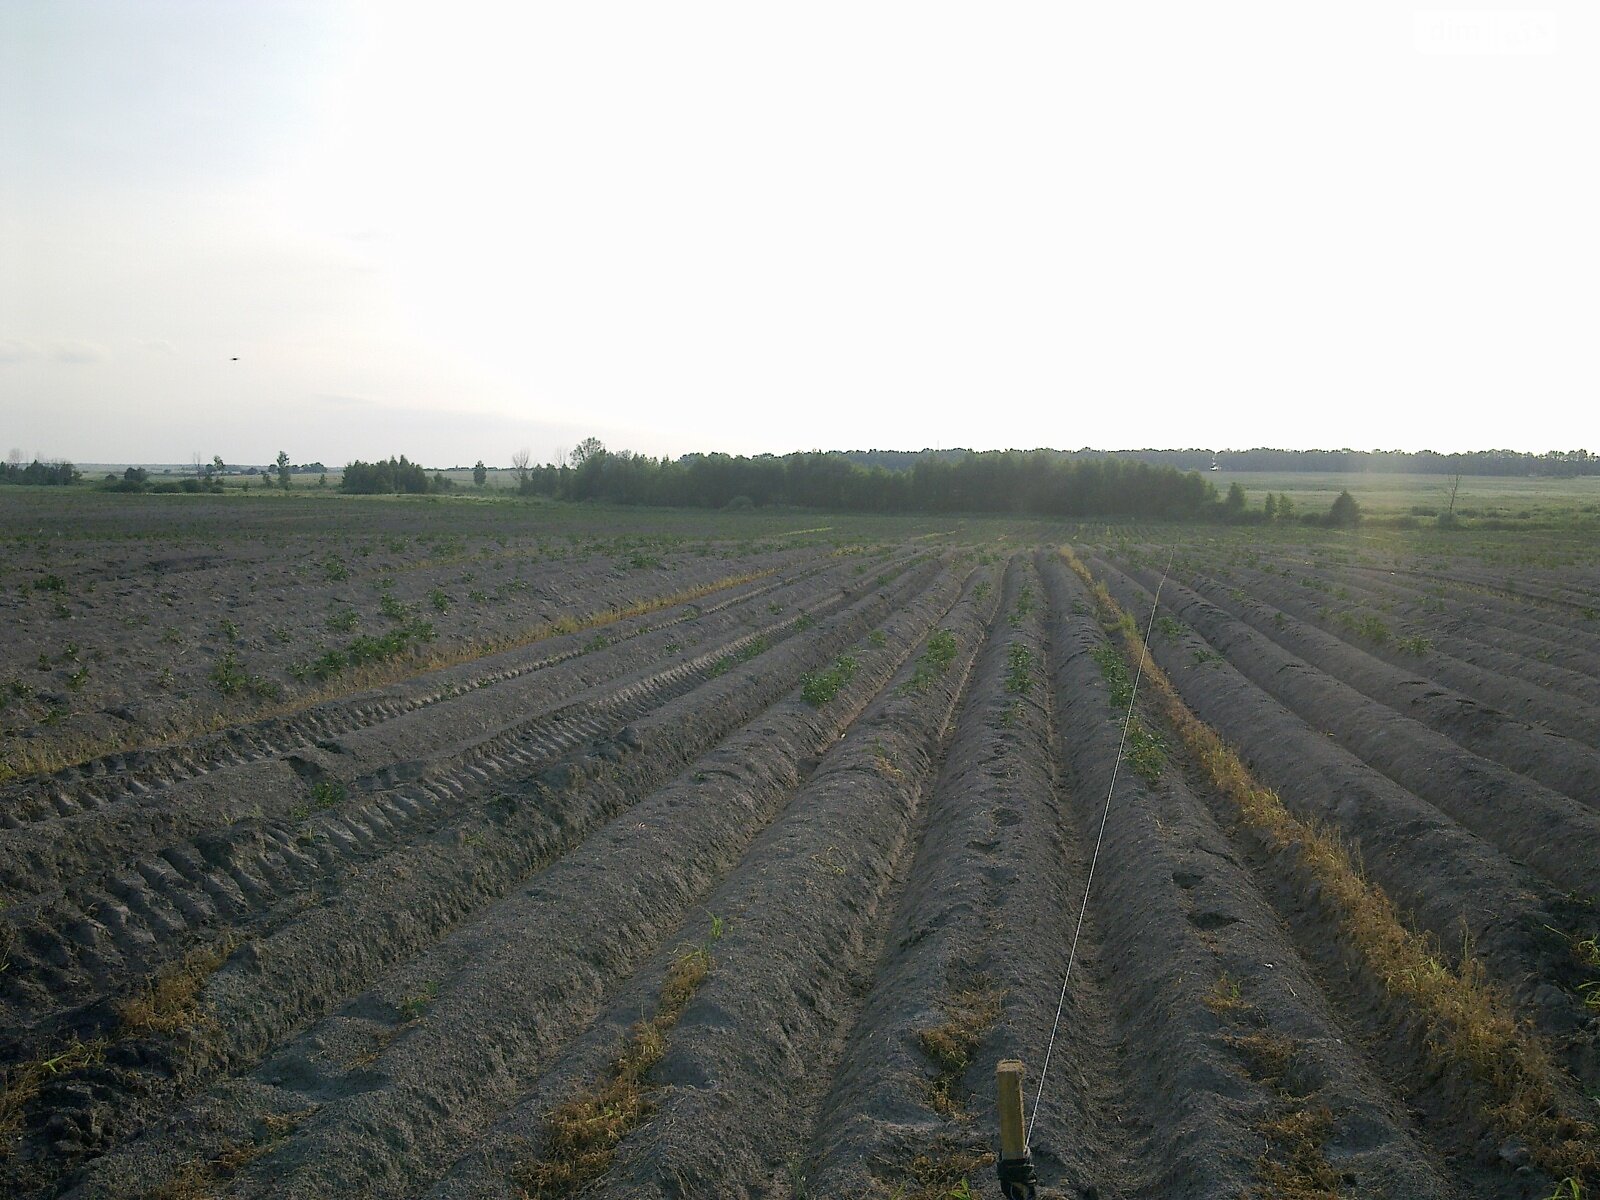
451, 230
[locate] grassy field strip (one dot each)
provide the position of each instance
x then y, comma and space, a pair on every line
30, 761
1532, 635
393, 736
362, 826
1206, 968
1532, 686
1470, 1028
645, 873
1563, 764
923, 1030
384, 916
1554, 834
805, 916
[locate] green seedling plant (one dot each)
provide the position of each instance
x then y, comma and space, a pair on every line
1146, 755
936, 658
1020, 664
326, 793
415, 1006
227, 674
819, 687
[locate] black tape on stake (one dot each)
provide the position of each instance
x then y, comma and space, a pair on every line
1018, 1181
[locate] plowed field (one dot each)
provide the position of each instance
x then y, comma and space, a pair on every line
731, 868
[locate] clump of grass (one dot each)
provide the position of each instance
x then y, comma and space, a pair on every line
819, 687
1369, 626
1417, 645
1293, 1166
582, 1135
170, 1002
326, 793
1169, 628
943, 1173
366, 649
1226, 995
343, 620
1146, 755
968, 1014
1469, 1024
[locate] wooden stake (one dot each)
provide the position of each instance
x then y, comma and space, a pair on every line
1008, 1090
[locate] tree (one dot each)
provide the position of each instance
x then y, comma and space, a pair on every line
480, 473
1345, 513
589, 448
1269, 507
1233, 506
218, 467
519, 461
1285, 507
283, 469
1448, 518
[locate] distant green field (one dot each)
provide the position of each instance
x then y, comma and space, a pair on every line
1482, 495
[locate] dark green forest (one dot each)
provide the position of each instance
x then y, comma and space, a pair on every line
1001, 481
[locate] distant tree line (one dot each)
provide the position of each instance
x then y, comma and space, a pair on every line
999, 481
48, 474
137, 479
1428, 462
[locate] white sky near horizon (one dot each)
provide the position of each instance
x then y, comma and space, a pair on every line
452, 231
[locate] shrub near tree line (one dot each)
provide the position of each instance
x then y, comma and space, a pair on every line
396, 476
54, 474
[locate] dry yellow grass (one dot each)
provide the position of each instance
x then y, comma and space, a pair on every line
1470, 1026
968, 1015
583, 1134
169, 1003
